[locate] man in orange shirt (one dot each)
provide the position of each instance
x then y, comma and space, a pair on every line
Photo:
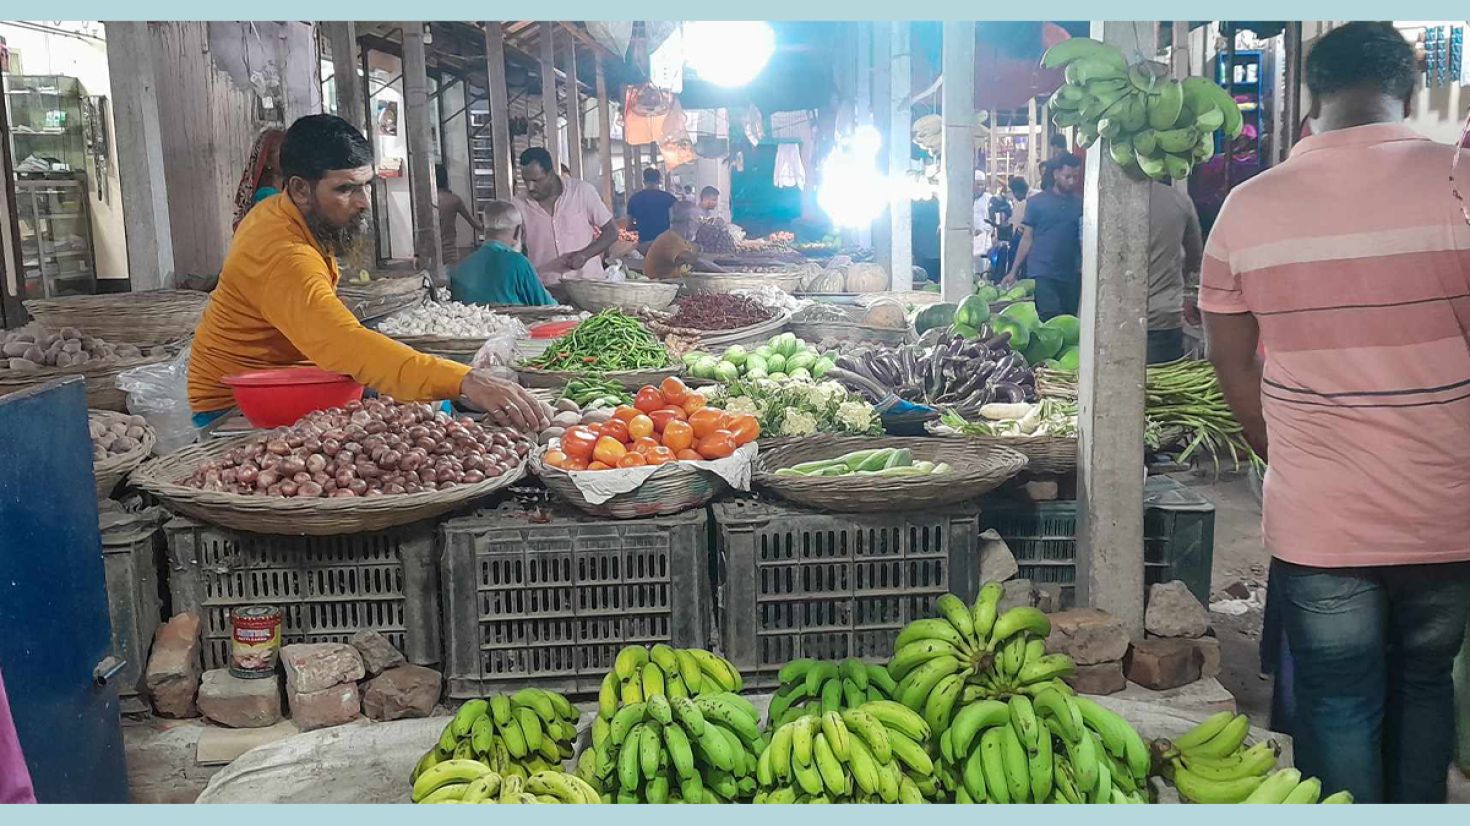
276, 304
674, 253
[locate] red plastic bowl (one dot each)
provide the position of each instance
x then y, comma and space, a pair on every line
277, 398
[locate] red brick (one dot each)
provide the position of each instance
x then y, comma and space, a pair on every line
1088, 635
402, 692
1162, 663
320, 665
240, 703
1207, 653
1101, 678
172, 676
328, 707
378, 655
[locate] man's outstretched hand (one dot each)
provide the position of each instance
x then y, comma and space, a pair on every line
507, 403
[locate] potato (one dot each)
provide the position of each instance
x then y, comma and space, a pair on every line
567, 405
566, 418
551, 433
23, 364
120, 428
123, 444
596, 416
16, 349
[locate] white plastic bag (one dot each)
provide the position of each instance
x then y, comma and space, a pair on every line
160, 394
615, 272
497, 351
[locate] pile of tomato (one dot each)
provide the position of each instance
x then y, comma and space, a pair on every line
667, 423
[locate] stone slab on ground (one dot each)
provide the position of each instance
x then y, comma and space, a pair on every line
1088, 635
237, 702
329, 707
220, 746
160, 758
1206, 696
402, 692
174, 667
317, 666
1098, 678
378, 654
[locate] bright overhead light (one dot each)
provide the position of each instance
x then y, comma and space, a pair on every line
853, 192
728, 53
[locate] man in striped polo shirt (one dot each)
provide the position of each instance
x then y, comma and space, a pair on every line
1351, 264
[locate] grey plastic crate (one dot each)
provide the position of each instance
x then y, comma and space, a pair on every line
549, 604
130, 567
327, 587
797, 583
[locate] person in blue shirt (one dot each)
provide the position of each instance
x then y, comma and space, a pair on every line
497, 273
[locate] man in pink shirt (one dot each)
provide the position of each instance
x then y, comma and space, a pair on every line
15, 779
567, 227
1351, 264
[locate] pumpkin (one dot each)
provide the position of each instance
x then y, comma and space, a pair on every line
886, 314
867, 278
830, 281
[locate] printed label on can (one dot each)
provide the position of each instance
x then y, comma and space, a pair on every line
255, 641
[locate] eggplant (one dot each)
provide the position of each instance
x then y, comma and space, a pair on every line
1009, 392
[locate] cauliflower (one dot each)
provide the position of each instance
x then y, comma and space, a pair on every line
798, 423
856, 416
742, 405
830, 391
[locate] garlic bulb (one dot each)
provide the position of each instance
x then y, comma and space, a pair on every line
452, 319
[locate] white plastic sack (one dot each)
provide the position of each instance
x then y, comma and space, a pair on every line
605, 484
160, 394
497, 351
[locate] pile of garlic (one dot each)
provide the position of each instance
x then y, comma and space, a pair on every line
452, 319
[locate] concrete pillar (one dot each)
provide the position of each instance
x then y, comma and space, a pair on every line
957, 180
500, 146
574, 112
1291, 94
140, 156
882, 80
550, 114
893, 61
1034, 147
604, 136
1110, 470
1179, 64
417, 113
342, 35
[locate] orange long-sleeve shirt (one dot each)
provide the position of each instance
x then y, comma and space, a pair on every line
276, 305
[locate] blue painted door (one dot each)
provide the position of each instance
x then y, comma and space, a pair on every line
54, 629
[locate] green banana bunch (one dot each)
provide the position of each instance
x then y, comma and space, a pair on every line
876, 752
814, 686
1211, 763
470, 781
681, 749
1155, 126
640, 672
520, 734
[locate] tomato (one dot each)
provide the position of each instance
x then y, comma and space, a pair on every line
573, 464
660, 456
687, 455
644, 444
640, 425
599, 466
625, 413
706, 420
649, 400
693, 402
554, 458
717, 445
609, 451
661, 418
615, 429
578, 443
632, 460
674, 391
678, 436
745, 429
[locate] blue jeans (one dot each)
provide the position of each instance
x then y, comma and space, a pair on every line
1372, 650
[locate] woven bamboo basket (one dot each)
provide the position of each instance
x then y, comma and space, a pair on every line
1047, 455
674, 488
714, 339
384, 296
108, 472
815, 331
976, 471
629, 379
709, 283
531, 315
628, 296
462, 350
141, 318
304, 517
100, 377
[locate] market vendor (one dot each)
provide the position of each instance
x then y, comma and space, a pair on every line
276, 304
567, 226
674, 253
498, 273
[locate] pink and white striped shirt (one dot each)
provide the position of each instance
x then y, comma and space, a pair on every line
1355, 260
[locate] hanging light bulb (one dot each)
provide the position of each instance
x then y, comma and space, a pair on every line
728, 53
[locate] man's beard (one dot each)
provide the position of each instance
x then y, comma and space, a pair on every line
339, 240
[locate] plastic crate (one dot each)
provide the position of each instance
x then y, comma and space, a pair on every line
1178, 530
130, 569
327, 587
549, 604
799, 583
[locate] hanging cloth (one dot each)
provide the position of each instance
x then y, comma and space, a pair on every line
645, 112
790, 172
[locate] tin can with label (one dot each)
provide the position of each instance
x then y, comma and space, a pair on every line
255, 641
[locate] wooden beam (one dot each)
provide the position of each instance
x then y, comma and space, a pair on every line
1110, 472
342, 35
604, 136
957, 180
500, 146
1291, 96
550, 114
140, 161
574, 113
426, 231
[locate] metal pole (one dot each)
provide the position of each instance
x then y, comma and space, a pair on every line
550, 111
957, 181
1110, 472
426, 232
1291, 99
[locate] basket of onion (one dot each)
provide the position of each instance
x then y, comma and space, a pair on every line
666, 453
